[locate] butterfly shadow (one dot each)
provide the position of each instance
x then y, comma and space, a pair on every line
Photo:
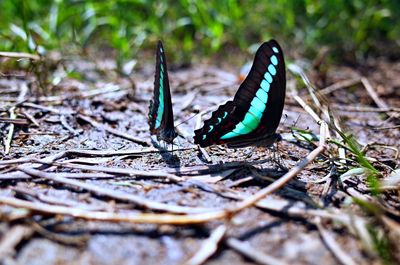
171, 159
294, 190
71, 228
264, 175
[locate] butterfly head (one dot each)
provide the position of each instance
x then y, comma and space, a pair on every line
167, 135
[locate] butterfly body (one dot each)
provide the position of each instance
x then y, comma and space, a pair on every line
161, 118
253, 116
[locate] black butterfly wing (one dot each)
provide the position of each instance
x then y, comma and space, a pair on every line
161, 118
256, 109
210, 133
276, 95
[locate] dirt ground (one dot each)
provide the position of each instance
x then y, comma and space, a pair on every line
87, 106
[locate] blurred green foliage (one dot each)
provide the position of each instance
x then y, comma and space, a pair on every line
356, 27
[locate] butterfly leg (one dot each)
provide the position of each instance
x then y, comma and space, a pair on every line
250, 152
277, 157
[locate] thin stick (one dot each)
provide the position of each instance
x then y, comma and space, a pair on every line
30, 117
95, 92
83, 152
205, 154
294, 68
114, 131
82, 94
21, 175
147, 150
144, 218
14, 176
21, 96
14, 121
386, 128
201, 149
336, 86
119, 171
77, 240
39, 133
364, 109
20, 55
8, 90
339, 85
378, 101
44, 108
65, 124
113, 193
58, 201
333, 246
208, 248
307, 108
248, 251
11, 128
12, 238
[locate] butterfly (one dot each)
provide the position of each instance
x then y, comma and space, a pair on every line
252, 117
161, 117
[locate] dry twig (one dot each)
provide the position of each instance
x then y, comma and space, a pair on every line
140, 201
248, 251
114, 131
378, 101
20, 55
208, 248
145, 218
333, 246
12, 238
11, 128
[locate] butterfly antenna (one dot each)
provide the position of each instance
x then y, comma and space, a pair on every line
187, 119
285, 118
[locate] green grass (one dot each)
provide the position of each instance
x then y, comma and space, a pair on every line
349, 28
361, 160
